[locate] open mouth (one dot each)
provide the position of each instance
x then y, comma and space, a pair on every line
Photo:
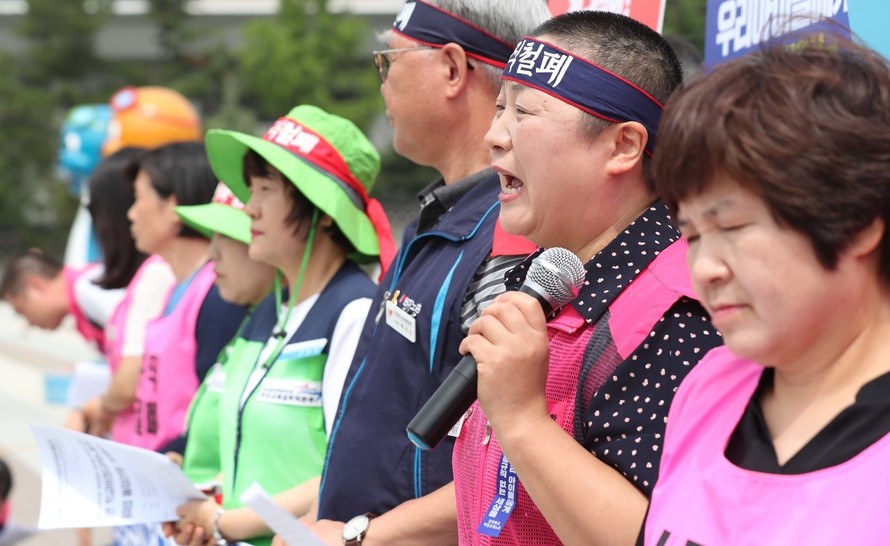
511, 184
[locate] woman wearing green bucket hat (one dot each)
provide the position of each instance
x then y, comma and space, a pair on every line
240, 281
306, 184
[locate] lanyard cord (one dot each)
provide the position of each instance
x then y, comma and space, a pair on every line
280, 330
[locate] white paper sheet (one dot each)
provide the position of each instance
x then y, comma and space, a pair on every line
288, 527
90, 379
91, 482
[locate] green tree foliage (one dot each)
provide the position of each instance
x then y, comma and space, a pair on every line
686, 18
33, 202
37, 89
61, 38
174, 34
196, 62
231, 115
308, 55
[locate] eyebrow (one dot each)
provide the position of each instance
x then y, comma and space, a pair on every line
720, 205
710, 212
515, 86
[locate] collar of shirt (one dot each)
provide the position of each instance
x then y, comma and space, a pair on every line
437, 198
615, 266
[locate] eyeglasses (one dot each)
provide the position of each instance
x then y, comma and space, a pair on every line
382, 62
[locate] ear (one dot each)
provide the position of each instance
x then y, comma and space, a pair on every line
325, 221
170, 207
869, 239
457, 64
628, 147
36, 282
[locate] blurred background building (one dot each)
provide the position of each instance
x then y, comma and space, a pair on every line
131, 34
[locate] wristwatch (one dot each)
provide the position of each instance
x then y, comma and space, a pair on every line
218, 539
355, 529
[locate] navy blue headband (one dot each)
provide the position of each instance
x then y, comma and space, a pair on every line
583, 84
434, 26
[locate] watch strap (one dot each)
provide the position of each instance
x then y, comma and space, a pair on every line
218, 539
357, 541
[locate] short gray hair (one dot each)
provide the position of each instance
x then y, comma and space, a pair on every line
508, 20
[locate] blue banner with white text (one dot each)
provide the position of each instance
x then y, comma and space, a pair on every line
736, 27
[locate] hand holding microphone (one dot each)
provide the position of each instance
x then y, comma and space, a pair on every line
554, 278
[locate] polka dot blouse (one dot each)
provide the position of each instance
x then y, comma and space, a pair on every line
621, 403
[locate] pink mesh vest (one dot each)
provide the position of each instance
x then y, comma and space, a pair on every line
88, 330
702, 498
476, 451
167, 381
114, 332
477, 461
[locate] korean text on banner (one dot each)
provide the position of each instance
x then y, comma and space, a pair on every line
736, 27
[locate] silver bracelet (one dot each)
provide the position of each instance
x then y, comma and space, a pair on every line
217, 536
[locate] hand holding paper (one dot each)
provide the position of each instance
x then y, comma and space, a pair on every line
288, 527
91, 482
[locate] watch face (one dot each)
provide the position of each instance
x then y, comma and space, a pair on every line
355, 527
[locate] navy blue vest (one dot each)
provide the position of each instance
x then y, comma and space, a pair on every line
347, 285
371, 466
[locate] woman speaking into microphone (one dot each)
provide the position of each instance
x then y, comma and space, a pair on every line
564, 443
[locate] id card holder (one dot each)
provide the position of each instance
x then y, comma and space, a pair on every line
401, 322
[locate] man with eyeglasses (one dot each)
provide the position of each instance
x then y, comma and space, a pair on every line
440, 75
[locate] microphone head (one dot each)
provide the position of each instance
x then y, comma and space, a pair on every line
559, 274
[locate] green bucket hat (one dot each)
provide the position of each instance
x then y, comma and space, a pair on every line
331, 163
224, 215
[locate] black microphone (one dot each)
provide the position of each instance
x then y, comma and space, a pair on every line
554, 278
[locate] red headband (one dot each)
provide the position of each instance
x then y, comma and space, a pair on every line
321, 154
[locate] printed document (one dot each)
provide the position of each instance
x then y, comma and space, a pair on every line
285, 525
91, 482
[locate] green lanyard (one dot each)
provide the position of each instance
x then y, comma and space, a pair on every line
280, 330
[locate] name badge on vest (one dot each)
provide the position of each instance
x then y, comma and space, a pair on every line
401, 321
290, 392
302, 349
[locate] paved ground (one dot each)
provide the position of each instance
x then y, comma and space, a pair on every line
27, 357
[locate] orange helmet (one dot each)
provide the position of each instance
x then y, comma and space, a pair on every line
149, 117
